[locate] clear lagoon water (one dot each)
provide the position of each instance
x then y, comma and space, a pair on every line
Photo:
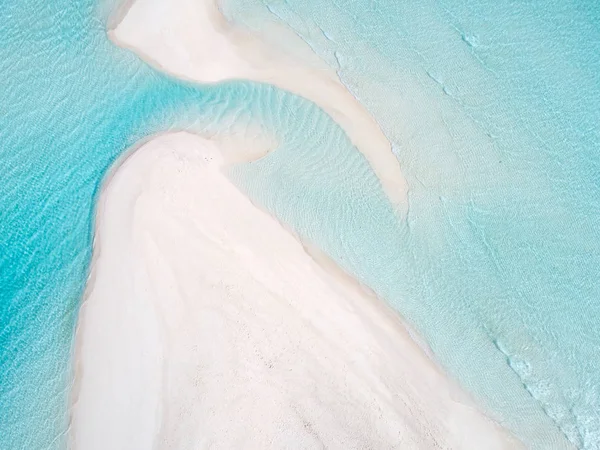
493, 109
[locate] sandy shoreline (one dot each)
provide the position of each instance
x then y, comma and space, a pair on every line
192, 40
206, 324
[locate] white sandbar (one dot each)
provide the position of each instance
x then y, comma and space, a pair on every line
207, 325
191, 39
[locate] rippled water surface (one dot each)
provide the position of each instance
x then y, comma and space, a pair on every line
493, 109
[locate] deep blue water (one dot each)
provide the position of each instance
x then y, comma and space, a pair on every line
493, 109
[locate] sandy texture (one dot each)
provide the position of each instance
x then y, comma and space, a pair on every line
191, 39
207, 325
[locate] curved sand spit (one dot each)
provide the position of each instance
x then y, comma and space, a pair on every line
207, 325
191, 39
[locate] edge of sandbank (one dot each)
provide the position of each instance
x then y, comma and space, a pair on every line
318, 257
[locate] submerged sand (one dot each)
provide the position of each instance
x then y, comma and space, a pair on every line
207, 325
192, 40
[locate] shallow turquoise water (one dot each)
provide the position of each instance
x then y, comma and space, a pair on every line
493, 109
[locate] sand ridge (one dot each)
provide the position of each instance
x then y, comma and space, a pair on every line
208, 325
192, 40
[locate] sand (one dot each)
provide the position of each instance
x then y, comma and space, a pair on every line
192, 40
206, 324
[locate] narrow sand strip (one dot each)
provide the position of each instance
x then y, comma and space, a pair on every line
191, 39
207, 325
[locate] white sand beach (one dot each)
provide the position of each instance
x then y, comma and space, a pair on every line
206, 324
191, 39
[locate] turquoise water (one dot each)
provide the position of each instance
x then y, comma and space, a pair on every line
493, 109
